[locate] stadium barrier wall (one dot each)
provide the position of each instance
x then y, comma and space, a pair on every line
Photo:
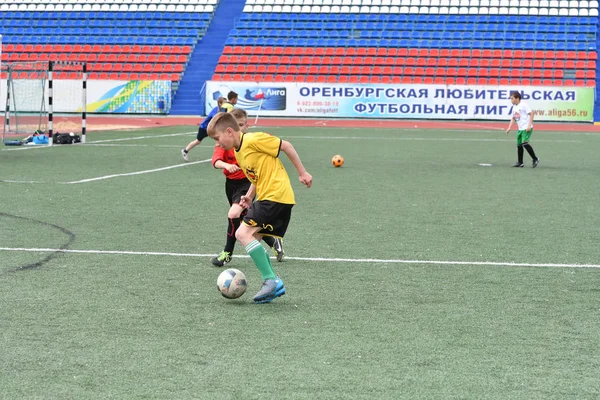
562, 104
122, 97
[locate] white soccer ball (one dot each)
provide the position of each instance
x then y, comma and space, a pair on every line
232, 283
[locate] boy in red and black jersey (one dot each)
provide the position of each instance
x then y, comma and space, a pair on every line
236, 186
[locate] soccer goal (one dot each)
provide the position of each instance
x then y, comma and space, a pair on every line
47, 96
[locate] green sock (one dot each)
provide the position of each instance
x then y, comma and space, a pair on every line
261, 259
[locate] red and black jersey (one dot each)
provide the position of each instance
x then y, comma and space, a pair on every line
227, 156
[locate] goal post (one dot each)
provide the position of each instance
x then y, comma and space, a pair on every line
66, 76
49, 96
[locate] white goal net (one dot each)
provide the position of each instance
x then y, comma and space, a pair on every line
25, 108
43, 96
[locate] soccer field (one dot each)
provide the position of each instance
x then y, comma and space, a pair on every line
425, 267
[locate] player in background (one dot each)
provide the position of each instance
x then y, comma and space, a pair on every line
202, 129
523, 116
237, 185
232, 98
257, 154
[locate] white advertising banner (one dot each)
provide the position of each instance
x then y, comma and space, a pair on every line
403, 101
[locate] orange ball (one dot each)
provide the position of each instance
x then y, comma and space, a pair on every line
337, 161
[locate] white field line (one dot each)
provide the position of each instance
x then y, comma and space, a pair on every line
350, 138
140, 137
172, 146
103, 141
26, 148
422, 139
148, 171
98, 142
484, 129
319, 259
28, 182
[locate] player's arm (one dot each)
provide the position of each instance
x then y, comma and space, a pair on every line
251, 191
510, 125
289, 150
530, 121
219, 163
246, 200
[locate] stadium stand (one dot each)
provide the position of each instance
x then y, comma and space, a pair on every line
483, 42
524, 42
118, 41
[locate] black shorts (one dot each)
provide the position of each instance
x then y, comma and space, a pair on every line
273, 217
235, 189
202, 133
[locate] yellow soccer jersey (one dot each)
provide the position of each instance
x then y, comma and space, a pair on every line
227, 106
258, 158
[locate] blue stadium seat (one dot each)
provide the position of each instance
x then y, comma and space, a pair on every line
570, 46
550, 46
478, 44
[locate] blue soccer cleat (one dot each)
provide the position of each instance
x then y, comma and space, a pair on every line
271, 289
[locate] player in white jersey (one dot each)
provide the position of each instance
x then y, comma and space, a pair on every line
523, 115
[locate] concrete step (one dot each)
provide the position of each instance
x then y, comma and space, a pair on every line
205, 57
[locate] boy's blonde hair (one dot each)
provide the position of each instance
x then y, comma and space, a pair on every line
220, 101
241, 117
239, 114
221, 122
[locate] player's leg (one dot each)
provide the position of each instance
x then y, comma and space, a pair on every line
272, 219
248, 236
272, 286
529, 149
235, 220
233, 223
234, 190
519, 163
202, 133
191, 145
277, 245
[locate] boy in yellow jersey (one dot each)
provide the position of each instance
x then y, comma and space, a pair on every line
257, 155
237, 185
232, 98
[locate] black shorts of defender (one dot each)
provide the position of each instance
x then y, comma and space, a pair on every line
202, 133
235, 189
273, 217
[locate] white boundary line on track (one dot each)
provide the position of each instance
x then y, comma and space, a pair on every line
148, 171
353, 260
